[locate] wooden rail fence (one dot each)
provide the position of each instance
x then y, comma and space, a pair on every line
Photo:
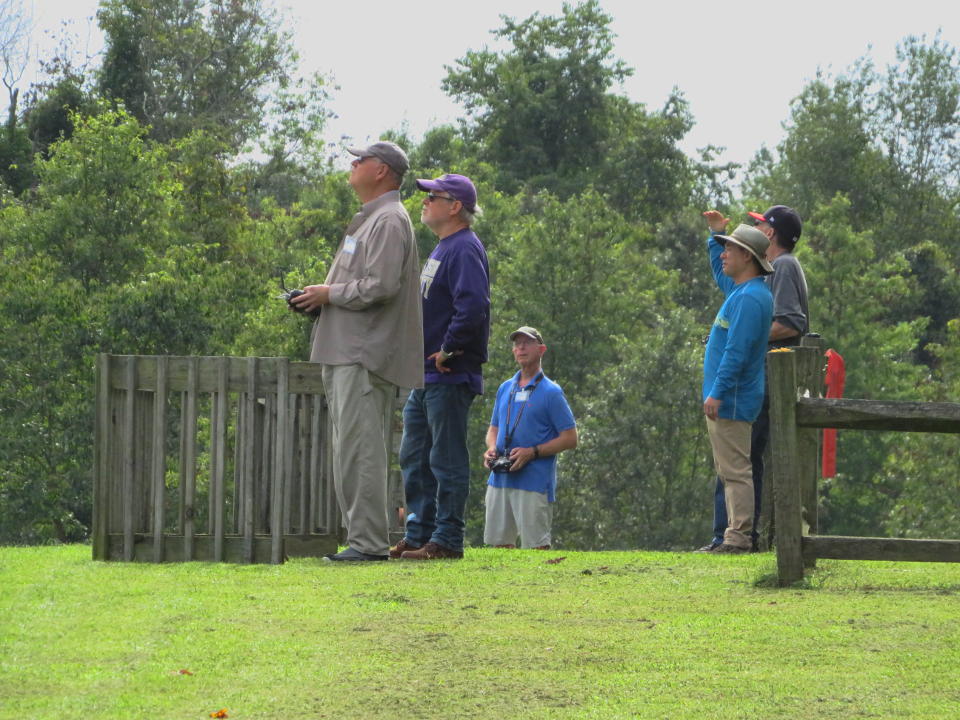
793, 416
211, 458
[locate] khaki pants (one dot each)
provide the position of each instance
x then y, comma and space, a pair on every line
361, 409
730, 440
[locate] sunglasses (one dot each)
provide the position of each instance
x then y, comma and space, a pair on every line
433, 196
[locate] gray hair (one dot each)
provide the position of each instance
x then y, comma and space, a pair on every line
469, 217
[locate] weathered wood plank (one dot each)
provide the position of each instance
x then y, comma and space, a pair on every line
853, 414
188, 460
303, 457
898, 549
810, 369
249, 474
266, 412
289, 484
128, 451
233, 547
280, 472
314, 474
218, 450
303, 377
159, 460
101, 458
785, 465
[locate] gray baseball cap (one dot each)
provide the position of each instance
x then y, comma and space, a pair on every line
751, 240
529, 332
387, 152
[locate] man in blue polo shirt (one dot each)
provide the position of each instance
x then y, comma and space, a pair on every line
530, 425
733, 367
455, 295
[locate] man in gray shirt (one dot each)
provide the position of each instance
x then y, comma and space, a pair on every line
369, 339
791, 321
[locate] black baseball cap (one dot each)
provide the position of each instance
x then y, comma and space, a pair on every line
783, 219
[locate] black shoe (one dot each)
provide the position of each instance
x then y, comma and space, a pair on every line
708, 548
351, 555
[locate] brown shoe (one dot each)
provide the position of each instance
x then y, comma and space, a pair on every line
400, 548
730, 550
432, 551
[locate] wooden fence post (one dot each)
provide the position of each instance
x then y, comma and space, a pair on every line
159, 460
129, 462
785, 470
281, 469
810, 362
188, 458
101, 459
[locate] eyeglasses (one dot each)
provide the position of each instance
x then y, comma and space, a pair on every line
433, 196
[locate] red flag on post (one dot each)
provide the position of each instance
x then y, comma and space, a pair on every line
836, 376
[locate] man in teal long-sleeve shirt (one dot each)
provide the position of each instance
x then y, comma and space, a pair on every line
733, 367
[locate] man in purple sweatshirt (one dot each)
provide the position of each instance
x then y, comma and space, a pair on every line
455, 292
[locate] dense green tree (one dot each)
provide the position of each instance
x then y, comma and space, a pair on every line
642, 475
923, 466
852, 286
919, 126
182, 65
544, 115
829, 148
105, 199
540, 107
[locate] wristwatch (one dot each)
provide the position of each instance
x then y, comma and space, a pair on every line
444, 354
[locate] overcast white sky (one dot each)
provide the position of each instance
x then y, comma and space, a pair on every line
738, 62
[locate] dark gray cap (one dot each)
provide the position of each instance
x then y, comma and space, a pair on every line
387, 152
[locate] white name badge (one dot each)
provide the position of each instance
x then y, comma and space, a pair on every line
522, 396
349, 244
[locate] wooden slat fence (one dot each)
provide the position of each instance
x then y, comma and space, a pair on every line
792, 414
211, 458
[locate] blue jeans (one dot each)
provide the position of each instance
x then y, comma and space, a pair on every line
436, 464
759, 437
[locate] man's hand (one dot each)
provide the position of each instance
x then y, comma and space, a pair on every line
520, 457
314, 296
711, 408
489, 456
439, 360
716, 221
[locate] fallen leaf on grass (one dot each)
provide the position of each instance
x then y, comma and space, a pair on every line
184, 671
222, 713
556, 560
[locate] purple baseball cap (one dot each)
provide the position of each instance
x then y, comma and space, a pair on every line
458, 187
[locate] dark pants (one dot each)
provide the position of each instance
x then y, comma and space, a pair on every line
759, 437
436, 464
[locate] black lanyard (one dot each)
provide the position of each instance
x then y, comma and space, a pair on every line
528, 388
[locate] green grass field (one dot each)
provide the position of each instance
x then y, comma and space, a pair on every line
501, 634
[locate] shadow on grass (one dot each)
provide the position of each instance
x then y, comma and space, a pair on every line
831, 577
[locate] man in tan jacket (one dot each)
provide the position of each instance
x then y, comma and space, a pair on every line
369, 338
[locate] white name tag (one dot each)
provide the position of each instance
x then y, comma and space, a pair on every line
522, 396
349, 244
427, 275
